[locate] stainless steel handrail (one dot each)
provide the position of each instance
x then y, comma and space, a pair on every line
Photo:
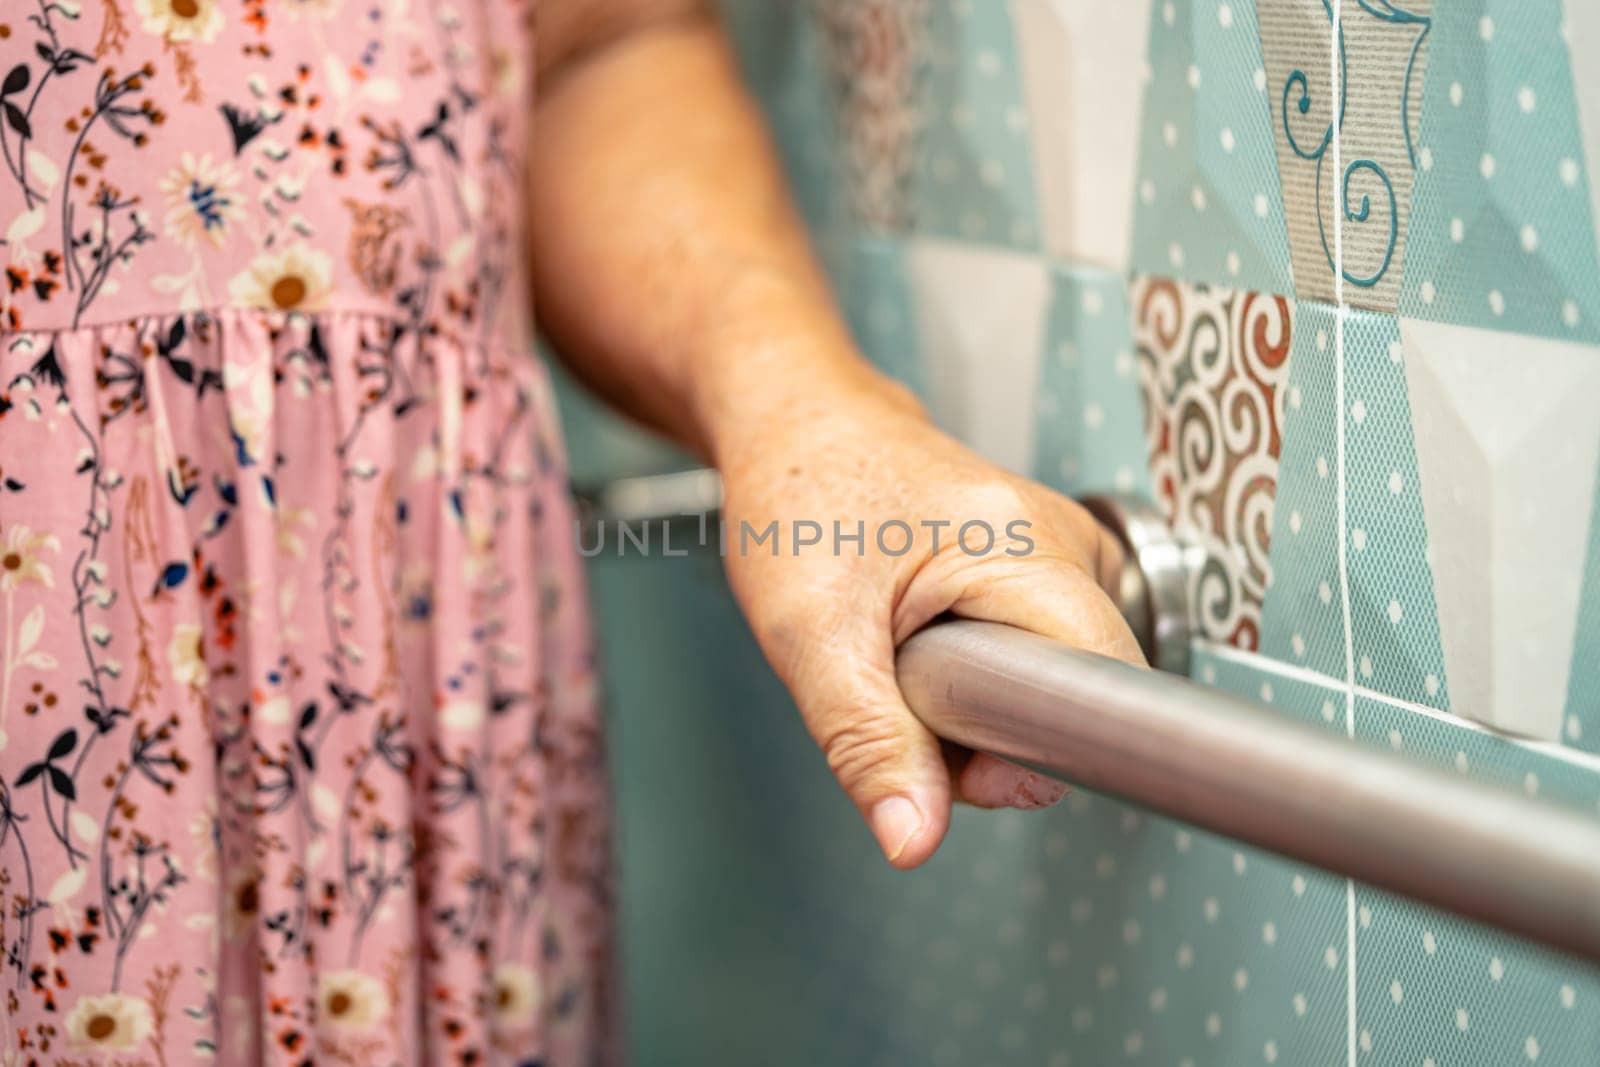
1227, 765
1219, 762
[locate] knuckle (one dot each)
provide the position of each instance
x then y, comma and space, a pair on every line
860, 750
1000, 500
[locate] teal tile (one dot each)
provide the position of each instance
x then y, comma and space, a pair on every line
1501, 233
974, 178
1302, 613
870, 278
1434, 987
1089, 434
1393, 619
1209, 205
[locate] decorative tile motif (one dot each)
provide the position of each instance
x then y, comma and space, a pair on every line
1502, 230
875, 54
1508, 446
1346, 137
1212, 363
1207, 200
1083, 113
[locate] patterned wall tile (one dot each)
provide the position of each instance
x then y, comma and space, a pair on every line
1302, 616
1393, 618
1213, 363
975, 176
1345, 113
1508, 451
980, 316
1502, 232
876, 51
1090, 435
1581, 29
1083, 108
1208, 206
869, 277
1431, 986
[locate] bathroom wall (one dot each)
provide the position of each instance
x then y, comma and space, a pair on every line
1127, 245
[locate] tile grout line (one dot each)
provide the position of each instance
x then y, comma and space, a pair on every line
1336, 119
1256, 661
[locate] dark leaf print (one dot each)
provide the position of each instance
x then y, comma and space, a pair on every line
112, 794
245, 128
64, 744
173, 575
175, 337
181, 491
500, 703
18, 120
48, 367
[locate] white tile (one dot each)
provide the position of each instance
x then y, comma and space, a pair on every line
1508, 444
1081, 65
980, 323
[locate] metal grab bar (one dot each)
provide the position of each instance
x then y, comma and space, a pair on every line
1227, 765
1215, 760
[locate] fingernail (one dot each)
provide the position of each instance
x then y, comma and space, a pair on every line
1035, 792
895, 821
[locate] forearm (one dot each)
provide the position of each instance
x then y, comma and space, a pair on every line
670, 269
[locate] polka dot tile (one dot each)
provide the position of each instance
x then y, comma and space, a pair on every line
1433, 986
1208, 206
1581, 728
871, 282
1394, 624
1088, 436
1501, 233
1302, 614
974, 178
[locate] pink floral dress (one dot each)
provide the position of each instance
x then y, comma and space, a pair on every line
299, 753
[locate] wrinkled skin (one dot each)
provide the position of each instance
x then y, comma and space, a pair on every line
672, 273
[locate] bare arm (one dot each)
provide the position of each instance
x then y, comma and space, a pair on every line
673, 274
670, 267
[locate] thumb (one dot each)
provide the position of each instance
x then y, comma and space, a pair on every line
888, 763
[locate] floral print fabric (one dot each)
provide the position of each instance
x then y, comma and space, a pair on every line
300, 759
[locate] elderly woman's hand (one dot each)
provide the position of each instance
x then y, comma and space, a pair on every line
675, 277
829, 615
